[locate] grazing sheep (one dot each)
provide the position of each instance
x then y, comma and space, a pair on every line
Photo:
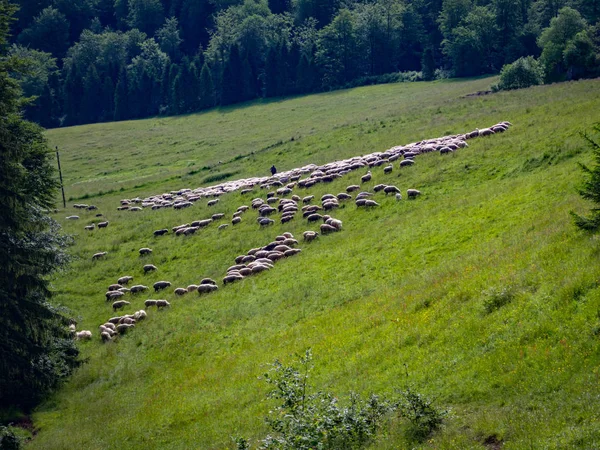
352, 188
73, 218
114, 287
180, 291
120, 304
232, 277
406, 162
281, 248
83, 334
264, 221
388, 169
125, 279
314, 217
105, 336
391, 190
343, 196
398, 197
310, 235
325, 228
360, 201
291, 252
149, 303
366, 178
112, 295
213, 202
207, 288
307, 199
337, 224
139, 315
236, 220
192, 288
162, 304
412, 193
288, 235
370, 203
103, 224
149, 268
114, 320
99, 255
274, 256
122, 328
217, 216
138, 288
145, 251
379, 187
89, 227
161, 232
225, 225
159, 285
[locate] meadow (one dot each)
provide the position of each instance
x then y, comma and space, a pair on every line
480, 293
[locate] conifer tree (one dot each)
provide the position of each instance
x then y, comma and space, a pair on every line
591, 187
207, 88
122, 97
36, 351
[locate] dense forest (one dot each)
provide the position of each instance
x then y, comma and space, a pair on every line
103, 60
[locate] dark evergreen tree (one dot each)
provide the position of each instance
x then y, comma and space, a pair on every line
428, 64
36, 351
122, 97
146, 15
271, 81
591, 187
232, 84
207, 88
91, 107
107, 100
73, 96
279, 6
307, 75
49, 32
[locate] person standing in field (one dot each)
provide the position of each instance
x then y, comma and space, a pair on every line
273, 170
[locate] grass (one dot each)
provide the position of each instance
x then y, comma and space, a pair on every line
481, 289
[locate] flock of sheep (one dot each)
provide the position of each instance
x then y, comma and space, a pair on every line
262, 259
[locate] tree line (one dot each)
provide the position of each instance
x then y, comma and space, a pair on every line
103, 60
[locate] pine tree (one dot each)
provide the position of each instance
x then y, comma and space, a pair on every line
207, 88
428, 64
591, 187
91, 107
271, 79
122, 97
36, 351
108, 99
231, 84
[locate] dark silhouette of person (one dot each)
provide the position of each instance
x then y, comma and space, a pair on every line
273, 170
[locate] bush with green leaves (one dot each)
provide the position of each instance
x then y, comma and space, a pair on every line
591, 187
523, 73
8, 439
496, 298
303, 420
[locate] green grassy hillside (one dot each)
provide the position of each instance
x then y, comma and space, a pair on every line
409, 286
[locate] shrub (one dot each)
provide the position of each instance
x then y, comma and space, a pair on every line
8, 439
424, 418
522, 73
496, 298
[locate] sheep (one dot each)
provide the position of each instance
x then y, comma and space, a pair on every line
190, 230
379, 187
138, 288
207, 288
192, 288
109, 325
105, 336
314, 217
122, 328
225, 225
149, 268
243, 208
281, 248
114, 320
370, 203
343, 196
274, 256
445, 150
162, 304
325, 228
139, 315
337, 224
99, 255
73, 218
352, 188
290, 242
112, 295
231, 278
307, 199
398, 197
161, 285
291, 252
103, 224
388, 169
161, 232
391, 190
366, 178
114, 287
245, 271
406, 162
83, 334
120, 304
288, 235
217, 216
360, 201
235, 220
125, 279
412, 193
201, 223
310, 235
259, 268
89, 227
180, 291
148, 303
145, 251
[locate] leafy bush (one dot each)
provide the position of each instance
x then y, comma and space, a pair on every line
496, 298
8, 439
304, 420
424, 418
522, 73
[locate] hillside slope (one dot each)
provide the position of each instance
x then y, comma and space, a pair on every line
403, 287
